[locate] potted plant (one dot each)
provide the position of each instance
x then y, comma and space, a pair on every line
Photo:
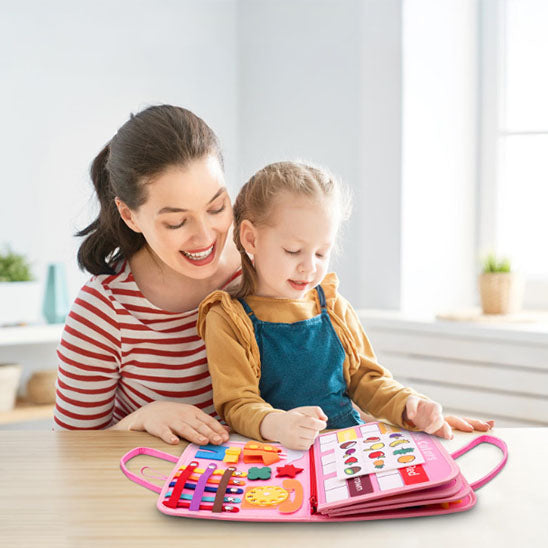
501, 289
19, 293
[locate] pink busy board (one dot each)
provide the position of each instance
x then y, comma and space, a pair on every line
371, 471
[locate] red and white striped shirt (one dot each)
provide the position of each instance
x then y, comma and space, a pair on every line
119, 352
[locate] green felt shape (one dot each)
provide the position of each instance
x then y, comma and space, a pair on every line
256, 473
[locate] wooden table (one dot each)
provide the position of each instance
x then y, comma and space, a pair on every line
66, 489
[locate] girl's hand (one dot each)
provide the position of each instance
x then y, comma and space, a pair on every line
168, 420
466, 424
427, 416
294, 429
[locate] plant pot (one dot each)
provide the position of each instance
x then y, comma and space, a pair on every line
500, 292
10, 373
19, 302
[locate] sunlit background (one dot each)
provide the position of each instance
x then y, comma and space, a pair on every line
433, 112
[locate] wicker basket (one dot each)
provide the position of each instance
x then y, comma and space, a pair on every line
500, 292
41, 387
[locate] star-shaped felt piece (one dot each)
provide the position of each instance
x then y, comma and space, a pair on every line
288, 471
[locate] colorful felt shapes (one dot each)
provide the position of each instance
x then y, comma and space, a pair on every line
259, 473
211, 452
255, 451
288, 471
232, 455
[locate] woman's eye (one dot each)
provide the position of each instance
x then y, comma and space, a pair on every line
220, 210
320, 255
291, 252
173, 227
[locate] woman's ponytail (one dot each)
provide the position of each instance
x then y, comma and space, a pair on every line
107, 238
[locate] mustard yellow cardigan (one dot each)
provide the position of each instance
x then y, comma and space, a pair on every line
235, 365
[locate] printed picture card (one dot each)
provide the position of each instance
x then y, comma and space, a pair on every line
376, 452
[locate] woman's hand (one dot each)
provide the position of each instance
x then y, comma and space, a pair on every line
168, 420
295, 429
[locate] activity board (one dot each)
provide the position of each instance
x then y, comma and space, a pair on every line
355, 473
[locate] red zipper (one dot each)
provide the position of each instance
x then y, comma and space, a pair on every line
313, 493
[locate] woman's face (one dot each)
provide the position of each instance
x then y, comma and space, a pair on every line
186, 218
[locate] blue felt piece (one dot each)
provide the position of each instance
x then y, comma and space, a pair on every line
211, 452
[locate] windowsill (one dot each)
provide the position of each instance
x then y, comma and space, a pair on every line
535, 332
30, 334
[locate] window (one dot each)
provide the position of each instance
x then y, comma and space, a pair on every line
514, 138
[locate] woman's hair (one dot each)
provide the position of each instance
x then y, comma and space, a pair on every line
145, 146
256, 200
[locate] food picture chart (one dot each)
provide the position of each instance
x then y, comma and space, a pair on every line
375, 452
378, 469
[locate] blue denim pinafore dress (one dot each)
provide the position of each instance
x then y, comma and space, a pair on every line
302, 364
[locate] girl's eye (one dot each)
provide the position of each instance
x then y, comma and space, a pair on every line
319, 255
291, 252
220, 210
174, 227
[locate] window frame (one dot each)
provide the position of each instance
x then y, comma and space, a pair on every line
492, 43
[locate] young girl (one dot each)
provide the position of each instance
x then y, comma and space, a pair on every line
287, 353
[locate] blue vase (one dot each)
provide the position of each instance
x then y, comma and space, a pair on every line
56, 303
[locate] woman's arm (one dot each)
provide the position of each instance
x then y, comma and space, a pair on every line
88, 363
88, 376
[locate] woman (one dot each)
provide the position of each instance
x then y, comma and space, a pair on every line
130, 357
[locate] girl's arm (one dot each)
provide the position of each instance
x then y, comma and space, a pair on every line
235, 374
373, 388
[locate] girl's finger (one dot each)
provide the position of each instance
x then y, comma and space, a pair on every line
444, 432
459, 423
436, 424
480, 425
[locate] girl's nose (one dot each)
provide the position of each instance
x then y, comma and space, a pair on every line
307, 265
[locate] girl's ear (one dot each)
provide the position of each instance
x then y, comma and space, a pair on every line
248, 236
126, 214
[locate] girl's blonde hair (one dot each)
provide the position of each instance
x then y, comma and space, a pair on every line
257, 197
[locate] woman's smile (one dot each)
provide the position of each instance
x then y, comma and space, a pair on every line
200, 257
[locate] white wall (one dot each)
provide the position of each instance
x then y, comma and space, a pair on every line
71, 74
440, 68
319, 80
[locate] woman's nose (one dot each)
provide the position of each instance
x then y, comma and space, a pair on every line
203, 233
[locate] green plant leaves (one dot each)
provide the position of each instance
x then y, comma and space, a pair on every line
14, 267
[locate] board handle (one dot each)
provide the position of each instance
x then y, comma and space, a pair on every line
144, 451
493, 441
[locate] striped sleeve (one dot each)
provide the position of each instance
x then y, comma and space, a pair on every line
88, 363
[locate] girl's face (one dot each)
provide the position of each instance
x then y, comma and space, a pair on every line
291, 253
187, 217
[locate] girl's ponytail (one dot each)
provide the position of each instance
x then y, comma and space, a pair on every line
108, 238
